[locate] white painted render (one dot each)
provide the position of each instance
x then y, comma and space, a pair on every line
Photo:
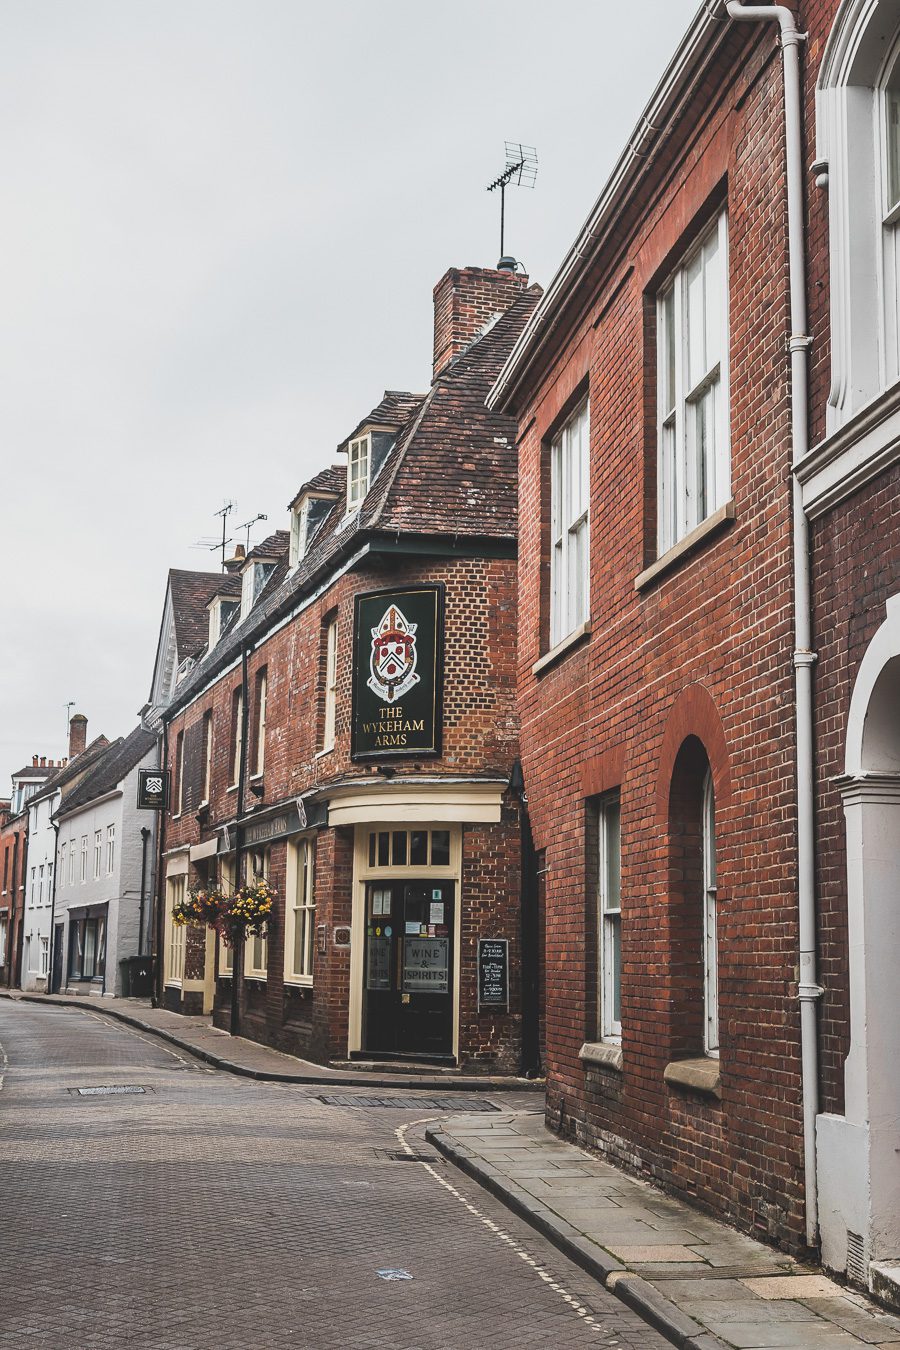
120, 889
38, 892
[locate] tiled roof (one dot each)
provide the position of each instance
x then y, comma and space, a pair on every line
109, 770
451, 471
73, 772
275, 546
35, 771
394, 410
331, 479
191, 593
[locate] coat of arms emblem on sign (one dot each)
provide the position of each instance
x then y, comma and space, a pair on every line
393, 658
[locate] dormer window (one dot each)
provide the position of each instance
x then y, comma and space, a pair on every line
357, 472
220, 612
306, 517
253, 578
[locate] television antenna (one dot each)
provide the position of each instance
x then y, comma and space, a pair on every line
248, 526
213, 544
69, 706
521, 171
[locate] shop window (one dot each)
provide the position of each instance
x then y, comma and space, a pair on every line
693, 451
569, 532
175, 892
300, 913
256, 947
409, 848
226, 886
4, 927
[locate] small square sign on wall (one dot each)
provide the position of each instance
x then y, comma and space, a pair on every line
153, 789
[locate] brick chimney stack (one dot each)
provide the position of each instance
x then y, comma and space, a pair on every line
34, 761
236, 563
465, 299
77, 734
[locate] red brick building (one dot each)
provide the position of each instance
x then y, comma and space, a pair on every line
13, 860
350, 732
652, 391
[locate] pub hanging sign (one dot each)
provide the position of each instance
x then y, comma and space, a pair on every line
153, 789
398, 669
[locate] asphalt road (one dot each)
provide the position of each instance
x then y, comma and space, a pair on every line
212, 1211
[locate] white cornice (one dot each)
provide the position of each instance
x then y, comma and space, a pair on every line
852, 456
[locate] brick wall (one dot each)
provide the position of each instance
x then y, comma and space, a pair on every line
703, 652
480, 737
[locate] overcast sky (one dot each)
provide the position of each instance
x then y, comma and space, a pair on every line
222, 223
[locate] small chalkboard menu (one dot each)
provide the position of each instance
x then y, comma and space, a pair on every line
493, 973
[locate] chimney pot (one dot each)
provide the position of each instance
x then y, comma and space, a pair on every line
77, 734
465, 300
34, 761
43, 761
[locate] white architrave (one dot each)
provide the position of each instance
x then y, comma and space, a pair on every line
857, 1161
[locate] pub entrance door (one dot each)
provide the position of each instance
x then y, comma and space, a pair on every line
408, 1003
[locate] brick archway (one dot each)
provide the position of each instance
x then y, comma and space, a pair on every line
693, 714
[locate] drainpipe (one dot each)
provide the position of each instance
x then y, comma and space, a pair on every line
237, 964
145, 836
52, 943
803, 656
158, 918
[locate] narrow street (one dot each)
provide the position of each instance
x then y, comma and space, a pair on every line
212, 1211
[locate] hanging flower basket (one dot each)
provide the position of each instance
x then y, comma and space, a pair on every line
202, 906
249, 911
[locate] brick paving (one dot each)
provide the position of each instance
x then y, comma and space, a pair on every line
735, 1291
217, 1211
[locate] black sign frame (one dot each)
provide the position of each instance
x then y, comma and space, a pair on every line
493, 986
147, 801
428, 745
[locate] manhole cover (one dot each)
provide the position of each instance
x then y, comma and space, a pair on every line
410, 1103
117, 1090
394, 1275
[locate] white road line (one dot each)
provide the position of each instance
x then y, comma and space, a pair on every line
538, 1266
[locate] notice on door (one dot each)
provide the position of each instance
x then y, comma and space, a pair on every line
493, 973
379, 975
426, 965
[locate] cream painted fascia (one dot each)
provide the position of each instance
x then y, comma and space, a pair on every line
178, 864
207, 850
418, 801
362, 873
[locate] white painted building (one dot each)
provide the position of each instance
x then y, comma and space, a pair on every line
105, 871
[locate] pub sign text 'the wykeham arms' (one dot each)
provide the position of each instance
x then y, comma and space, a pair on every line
398, 669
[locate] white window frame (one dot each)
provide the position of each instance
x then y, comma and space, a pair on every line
359, 460
300, 912
61, 874
44, 955
207, 757
4, 928
330, 719
570, 525
262, 690
98, 852
609, 915
298, 533
238, 735
226, 885
84, 849
110, 849
256, 948
710, 923
72, 862
693, 480
179, 772
175, 933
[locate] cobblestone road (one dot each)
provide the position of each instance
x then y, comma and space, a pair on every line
211, 1211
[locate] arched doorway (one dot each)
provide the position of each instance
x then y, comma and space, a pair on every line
857, 1156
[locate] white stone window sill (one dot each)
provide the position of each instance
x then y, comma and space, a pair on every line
298, 981
558, 652
255, 777
696, 1075
329, 750
602, 1054
233, 788
671, 559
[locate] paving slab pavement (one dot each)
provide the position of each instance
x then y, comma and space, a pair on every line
699, 1283
250, 1059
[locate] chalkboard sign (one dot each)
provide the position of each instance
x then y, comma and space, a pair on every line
493, 973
